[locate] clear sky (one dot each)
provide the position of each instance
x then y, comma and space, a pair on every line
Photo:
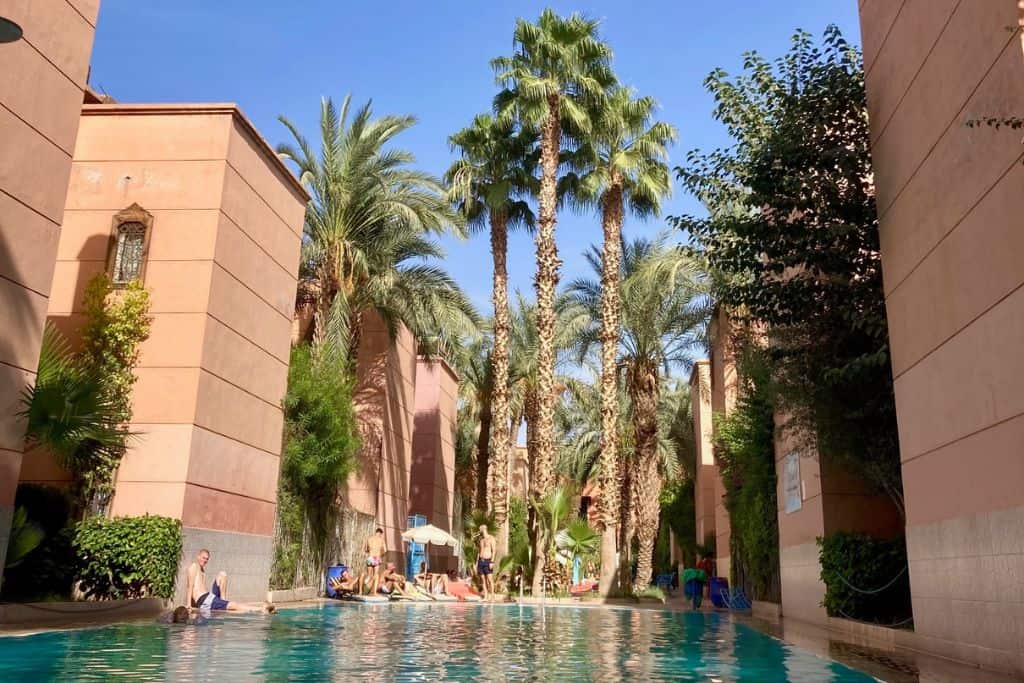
431, 59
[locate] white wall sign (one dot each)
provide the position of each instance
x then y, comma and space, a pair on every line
791, 482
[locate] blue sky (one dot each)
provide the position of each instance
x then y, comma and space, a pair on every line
431, 59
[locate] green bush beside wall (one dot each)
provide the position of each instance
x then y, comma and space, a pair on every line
876, 567
127, 557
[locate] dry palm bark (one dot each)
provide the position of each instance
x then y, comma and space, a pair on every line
644, 390
500, 439
610, 479
546, 283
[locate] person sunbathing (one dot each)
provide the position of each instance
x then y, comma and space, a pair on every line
457, 588
393, 582
424, 578
346, 583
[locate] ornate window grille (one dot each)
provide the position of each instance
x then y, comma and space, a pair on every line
126, 260
131, 240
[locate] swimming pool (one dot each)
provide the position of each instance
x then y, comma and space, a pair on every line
422, 642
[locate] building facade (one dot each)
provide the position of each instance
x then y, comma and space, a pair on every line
218, 220
42, 81
950, 201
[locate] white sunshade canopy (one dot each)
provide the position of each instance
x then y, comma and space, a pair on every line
429, 534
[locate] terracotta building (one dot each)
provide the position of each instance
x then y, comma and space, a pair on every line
950, 202
41, 91
214, 220
385, 395
432, 477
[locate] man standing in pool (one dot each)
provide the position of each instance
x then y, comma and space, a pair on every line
485, 561
375, 548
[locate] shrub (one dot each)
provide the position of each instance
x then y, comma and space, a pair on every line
320, 442
48, 571
745, 449
877, 567
651, 593
127, 557
116, 324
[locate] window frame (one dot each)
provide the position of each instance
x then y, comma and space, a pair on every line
131, 214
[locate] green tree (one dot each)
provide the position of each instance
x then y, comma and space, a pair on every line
558, 69
319, 451
793, 238
366, 244
489, 183
117, 321
69, 411
745, 451
620, 164
664, 314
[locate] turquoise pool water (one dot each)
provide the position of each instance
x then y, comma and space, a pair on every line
417, 642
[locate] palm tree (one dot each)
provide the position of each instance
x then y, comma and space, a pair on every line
664, 314
365, 243
488, 184
473, 363
621, 163
559, 67
578, 423
69, 410
577, 540
553, 512
525, 389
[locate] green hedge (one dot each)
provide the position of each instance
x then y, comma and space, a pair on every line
127, 557
877, 567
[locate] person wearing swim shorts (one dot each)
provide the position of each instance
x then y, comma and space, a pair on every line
485, 561
216, 597
375, 548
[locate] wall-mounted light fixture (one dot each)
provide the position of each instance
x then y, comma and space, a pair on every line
9, 31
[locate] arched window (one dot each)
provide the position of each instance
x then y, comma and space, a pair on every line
129, 245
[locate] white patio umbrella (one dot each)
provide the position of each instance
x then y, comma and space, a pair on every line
429, 535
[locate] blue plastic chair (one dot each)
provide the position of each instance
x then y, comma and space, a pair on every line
737, 599
664, 582
333, 572
718, 591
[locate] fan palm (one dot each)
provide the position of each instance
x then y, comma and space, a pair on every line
558, 68
69, 410
577, 539
553, 511
25, 536
664, 316
488, 184
621, 163
366, 244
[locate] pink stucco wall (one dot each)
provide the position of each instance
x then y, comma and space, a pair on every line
42, 79
385, 400
221, 271
724, 387
950, 203
432, 478
707, 470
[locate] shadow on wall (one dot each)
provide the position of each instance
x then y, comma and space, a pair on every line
39, 466
91, 260
22, 326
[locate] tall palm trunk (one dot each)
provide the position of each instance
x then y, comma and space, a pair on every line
500, 441
645, 390
483, 456
611, 257
546, 283
626, 519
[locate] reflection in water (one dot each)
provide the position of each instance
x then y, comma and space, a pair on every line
422, 642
